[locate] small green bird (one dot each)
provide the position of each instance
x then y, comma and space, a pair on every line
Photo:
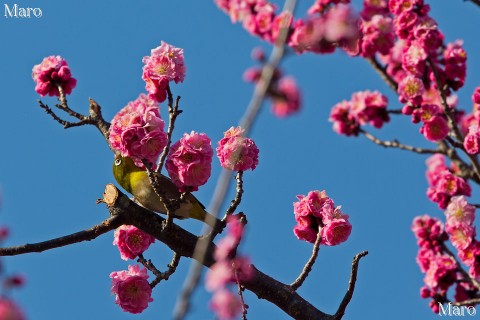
135, 181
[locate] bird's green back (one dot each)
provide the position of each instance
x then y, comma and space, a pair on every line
136, 182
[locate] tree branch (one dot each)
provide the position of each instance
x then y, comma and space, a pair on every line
125, 211
308, 266
351, 285
398, 145
173, 113
85, 235
382, 71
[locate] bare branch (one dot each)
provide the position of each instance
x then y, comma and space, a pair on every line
470, 302
238, 196
240, 294
398, 145
351, 286
125, 211
382, 71
159, 276
308, 266
85, 235
173, 113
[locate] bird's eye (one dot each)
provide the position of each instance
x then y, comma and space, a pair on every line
118, 162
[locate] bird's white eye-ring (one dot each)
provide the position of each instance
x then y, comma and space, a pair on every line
118, 162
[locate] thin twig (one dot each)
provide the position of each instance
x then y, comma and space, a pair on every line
159, 276
64, 123
223, 182
395, 111
308, 266
149, 265
351, 286
85, 235
470, 302
240, 294
64, 105
238, 196
173, 113
382, 71
170, 206
398, 145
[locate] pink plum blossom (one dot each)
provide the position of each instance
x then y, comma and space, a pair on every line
165, 64
459, 211
472, 140
131, 241
189, 162
136, 131
336, 232
411, 89
226, 304
236, 152
288, 98
229, 268
52, 72
436, 129
316, 213
365, 107
460, 235
132, 290
9, 310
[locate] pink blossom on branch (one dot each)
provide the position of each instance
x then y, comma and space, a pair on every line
131, 241
315, 213
189, 163
165, 64
236, 152
53, 71
132, 290
229, 268
137, 131
444, 185
365, 107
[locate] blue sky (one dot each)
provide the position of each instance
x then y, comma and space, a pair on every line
51, 177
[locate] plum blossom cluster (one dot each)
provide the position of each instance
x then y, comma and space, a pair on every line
470, 125
229, 268
131, 288
137, 130
131, 241
165, 64
323, 31
441, 269
257, 16
283, 92
51, 73
236, 152
376, 29
365, 107
189, 162
316, 213
443, 183
330, 24
420, 59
